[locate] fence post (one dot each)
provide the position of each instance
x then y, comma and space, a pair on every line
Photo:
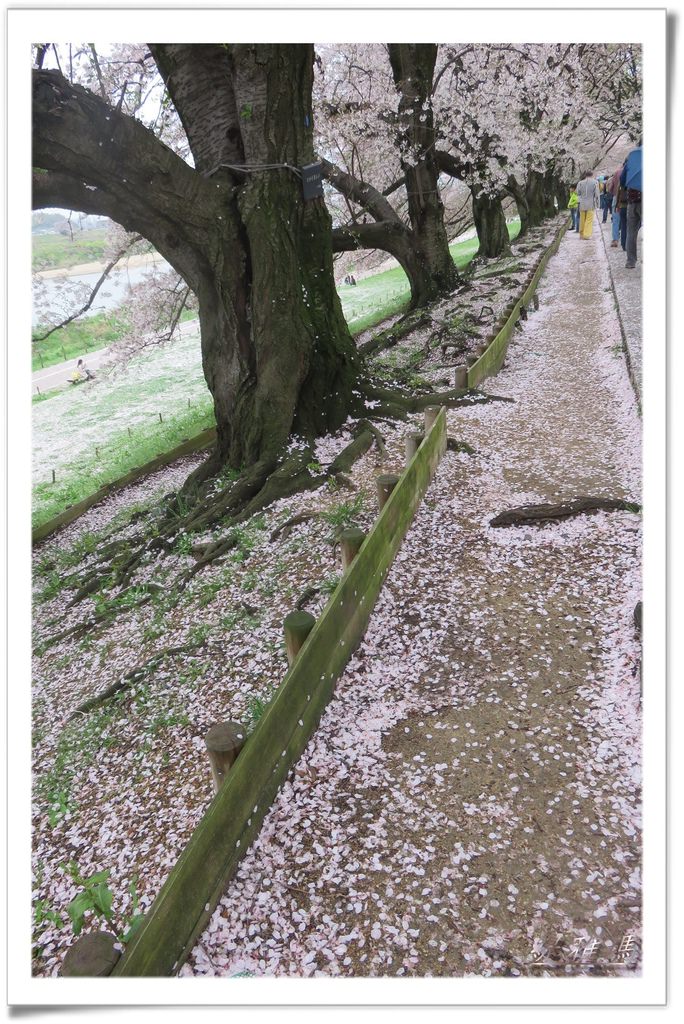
92, 956
350, 542
224, 742
297, 626
461, 378
384, 485
412, 443
431, 414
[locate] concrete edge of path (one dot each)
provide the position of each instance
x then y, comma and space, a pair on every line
625, 343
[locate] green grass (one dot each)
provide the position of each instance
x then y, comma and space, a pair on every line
77, 339
83, 336
117, 458
383, 295
52, 252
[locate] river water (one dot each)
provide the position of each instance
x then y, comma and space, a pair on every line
112, 293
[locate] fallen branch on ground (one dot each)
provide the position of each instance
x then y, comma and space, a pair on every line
525, 515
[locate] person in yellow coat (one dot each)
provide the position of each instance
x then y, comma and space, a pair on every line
586, 193
573, 207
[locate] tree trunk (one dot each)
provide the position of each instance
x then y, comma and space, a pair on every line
537, 204
276, 352
490, 224
394, 238
413, 68
549, 193
517, 193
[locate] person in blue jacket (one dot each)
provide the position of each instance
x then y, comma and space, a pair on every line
630, 179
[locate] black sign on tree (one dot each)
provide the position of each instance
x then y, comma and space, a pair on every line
312, 182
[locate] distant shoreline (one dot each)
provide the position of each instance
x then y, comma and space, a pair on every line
142, 260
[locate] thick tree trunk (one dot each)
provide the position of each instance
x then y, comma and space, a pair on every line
413, 68
517, 193
276, 351
490, 224
537, 204
549, 193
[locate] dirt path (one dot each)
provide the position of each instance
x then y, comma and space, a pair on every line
470, 802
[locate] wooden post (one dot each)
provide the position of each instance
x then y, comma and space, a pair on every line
92, 956
431, 414
160, 418
54, 476
297, 626
37, 389
384, 485
461, 377
413, 442
350, 542
224, 742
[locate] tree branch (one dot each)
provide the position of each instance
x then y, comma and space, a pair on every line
360, 192
100, 281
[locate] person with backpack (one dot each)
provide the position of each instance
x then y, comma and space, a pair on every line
632, 183
614, 189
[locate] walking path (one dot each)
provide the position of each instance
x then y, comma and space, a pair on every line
627, 288
470, 801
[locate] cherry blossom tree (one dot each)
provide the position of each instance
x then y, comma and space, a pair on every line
230, 219
376, 139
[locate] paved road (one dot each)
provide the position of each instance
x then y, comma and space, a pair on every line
56, 376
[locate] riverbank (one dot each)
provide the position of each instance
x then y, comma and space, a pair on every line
145, 259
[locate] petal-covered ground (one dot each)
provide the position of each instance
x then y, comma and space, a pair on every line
472, 792
470, 802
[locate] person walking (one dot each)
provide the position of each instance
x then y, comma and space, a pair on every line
613, 188
632, 176
573, 207
586, 194
605, 197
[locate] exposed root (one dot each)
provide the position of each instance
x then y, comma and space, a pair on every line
391, 336
127, 680
306, 596
286, 528
393, 399
525, 515
459, 446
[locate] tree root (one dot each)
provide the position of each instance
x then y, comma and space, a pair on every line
459, 446
525, 515
393, 399
391, 336
286, 528
131, 677
77, 631
306, 596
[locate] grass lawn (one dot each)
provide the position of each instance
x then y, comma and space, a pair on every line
49, 252
76, 339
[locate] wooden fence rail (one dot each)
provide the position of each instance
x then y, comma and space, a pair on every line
196, 883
